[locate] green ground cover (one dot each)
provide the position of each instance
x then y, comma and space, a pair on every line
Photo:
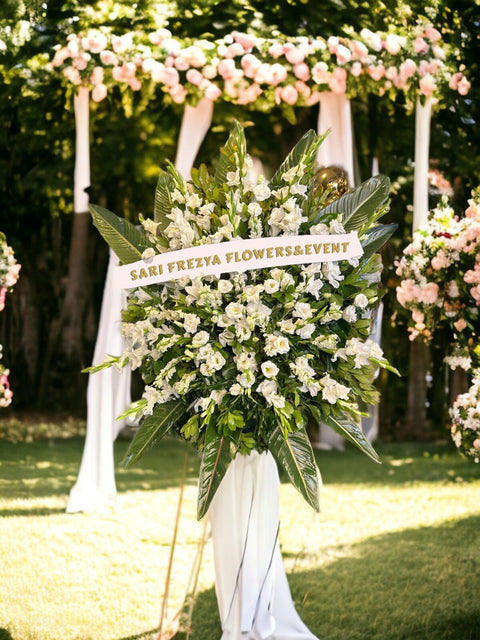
394, 553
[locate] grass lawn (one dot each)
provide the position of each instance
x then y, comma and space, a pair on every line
394, 553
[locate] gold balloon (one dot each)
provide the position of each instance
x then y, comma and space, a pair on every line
334, 180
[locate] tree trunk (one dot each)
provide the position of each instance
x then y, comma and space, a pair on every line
416, 425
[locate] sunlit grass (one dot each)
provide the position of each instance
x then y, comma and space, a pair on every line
393, 555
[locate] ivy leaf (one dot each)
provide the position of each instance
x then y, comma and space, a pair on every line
293, 453
302, 151
217, 455
375, 238
124, 238
235, 146
163, 200
153, 428
348, 429
359, 206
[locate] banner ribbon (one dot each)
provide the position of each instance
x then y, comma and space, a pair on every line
238, 256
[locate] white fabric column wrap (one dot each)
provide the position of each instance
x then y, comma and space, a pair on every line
108, 395
423, 114
253, 595
337, 149
196, 122
81, 175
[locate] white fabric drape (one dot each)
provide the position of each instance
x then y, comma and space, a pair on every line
81, 174
196, 122
423, 115
337, 149
253, 595
108, 394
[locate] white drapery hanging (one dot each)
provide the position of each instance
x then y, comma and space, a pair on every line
337, 149
253, 595
196, 122
423, 115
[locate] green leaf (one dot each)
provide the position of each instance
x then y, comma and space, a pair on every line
359, 206
124, 238
305, 149
293, 453
235, 146
153, 428
163, 200
217, 455
346, 427
376, 237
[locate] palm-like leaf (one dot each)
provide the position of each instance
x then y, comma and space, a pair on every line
153, 429
163, 199
235, 146
359, 206
347, 428
124, 238
375, 238
303, 150
293, 452
217, 455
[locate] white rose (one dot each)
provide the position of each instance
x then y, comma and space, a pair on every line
302, 310
225, 286
306, 331
271, 285
361, 300
349, 313
261, 191
234, 311
269, 369
199, 339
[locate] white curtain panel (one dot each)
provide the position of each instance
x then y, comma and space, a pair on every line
253, 595
196, 122
108, 394
337, 149
423, 115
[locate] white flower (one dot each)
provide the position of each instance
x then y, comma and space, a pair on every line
298, 188
246, 361
200, 339
225, 286
302, 310
233, 178
193, 201
306, 331
234, 311
254, 209
235, 389
267, 388
361, 300
148, 253
271, 285
217, 396
332, 390
287, 326
349, 313
269, 369
336, 226
319, 229
275, 344
190, 322
332, 273
262, 191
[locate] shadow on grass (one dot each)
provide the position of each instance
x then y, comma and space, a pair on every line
417, 584
5, 634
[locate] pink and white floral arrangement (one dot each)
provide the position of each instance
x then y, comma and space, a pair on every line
465, 416
9, 272
244, 68
440, 280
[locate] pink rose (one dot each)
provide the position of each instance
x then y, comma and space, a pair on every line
376, 72
158, 36
135, 84
420, 46
293, 54
81, 62
359, 51
181, 63
94, 42
343, 54
97, 75
430, 293
246, 40
178, 93
194, 77
249, 95
303, 89
475, 293
338, 81
288, 94
60, 56
278, 73
460, 324
463, 86
108, 57
170, 77
427, 85
99, 92
250, 64
320, 73
212, 92
394, 44
432, 34
301, 71
120, 44
408, 68
356, 69
226, 68
276, 50
234, 50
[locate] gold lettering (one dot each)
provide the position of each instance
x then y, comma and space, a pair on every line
247, 255
171, 266
152, 270
279, 252
326, 247
298, 250
308, 249
345, 245
237, 259
190, 263
181, 265
216, 260
207, 259
259, 253
335, 247
288, 250
133, 274
270, 252
199, 261
229, 257
142, 273
317, 247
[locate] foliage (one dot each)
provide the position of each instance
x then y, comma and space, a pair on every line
440, 280
239, 362
9, 271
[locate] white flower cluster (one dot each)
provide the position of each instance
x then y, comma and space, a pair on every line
465, 416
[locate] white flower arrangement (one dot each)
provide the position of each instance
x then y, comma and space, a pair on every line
9, 272
465, 416
243, 361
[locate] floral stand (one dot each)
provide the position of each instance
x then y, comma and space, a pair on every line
253, 595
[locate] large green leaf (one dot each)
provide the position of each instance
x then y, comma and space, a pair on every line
217, 455
153, 428
303, 150
235, 146
163, 199
376, 237
359, 206
124, 238
293, 452
347, 428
